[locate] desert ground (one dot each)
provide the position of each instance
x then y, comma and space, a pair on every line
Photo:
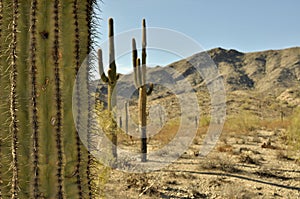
241, 166
257, 154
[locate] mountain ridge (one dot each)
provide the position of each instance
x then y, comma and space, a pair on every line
261, 70
269, 72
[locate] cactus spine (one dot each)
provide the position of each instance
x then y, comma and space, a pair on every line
111, 80
13, 101
1, 137
78, 101
40, 56
140, 83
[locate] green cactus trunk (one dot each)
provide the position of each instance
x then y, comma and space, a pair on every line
140, 83
44, 44
6, 158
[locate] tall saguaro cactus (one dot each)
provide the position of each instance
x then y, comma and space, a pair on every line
140, 83
111, 80
43, 45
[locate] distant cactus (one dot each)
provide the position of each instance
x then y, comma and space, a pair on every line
41, 51
140, 83
161, 119
196, 121
120, 122
126, 117
111, 79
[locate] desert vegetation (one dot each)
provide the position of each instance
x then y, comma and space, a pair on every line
294, 133
257, 155
42, 154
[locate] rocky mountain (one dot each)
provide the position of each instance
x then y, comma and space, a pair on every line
272, 72
267, 71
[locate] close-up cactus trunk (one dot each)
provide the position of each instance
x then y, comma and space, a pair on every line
140, 83
111, 80
43, 46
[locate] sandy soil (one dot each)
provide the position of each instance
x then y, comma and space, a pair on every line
253, 165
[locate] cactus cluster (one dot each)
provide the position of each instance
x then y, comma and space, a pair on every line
140, 83
43, 46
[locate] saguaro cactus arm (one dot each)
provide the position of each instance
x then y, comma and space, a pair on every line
144, 56
140, 76
144, 53
112, 75
139, 73
112, 63
150, 89
144, 37
100, 65
134, 62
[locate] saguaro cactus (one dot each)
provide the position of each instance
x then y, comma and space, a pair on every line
126, 116
111, 80
41, 51
140, 83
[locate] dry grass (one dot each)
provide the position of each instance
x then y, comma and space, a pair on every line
294, 133
243, 122
246, 122
168, 132
271, 124
225, 148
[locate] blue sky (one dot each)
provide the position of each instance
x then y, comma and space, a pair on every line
245, 25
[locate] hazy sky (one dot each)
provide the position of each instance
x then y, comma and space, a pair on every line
245, 25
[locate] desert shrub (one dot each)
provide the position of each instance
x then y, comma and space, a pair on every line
283, 155
243, 122
294, 132
105, 126
225, 148
248, 159
220, 163
256, 139
204, 120
237, 192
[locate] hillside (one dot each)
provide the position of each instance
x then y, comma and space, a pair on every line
269, 78
253, 157
271, 71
